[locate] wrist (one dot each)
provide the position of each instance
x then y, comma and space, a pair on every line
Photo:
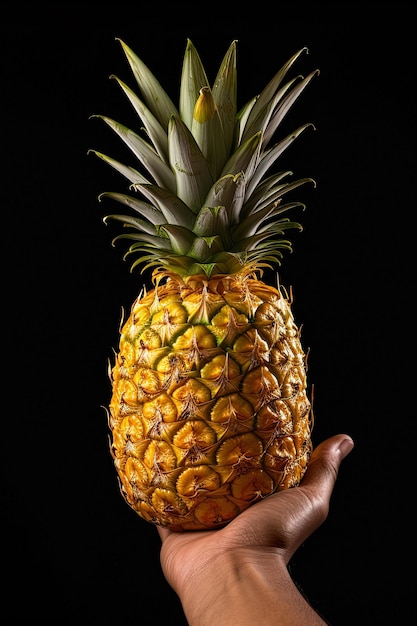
246, 588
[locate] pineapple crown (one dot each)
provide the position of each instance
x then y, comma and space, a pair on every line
200, 199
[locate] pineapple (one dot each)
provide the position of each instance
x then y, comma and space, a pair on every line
210, 410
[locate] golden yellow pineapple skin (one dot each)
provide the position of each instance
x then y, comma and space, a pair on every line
209, 410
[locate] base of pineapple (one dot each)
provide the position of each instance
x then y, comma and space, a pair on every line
166, 509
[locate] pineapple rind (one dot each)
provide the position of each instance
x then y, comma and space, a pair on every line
209, 412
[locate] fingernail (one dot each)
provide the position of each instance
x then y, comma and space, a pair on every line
346, 446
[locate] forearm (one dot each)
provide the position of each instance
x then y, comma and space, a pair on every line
246, 592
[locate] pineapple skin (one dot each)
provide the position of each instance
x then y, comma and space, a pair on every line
209, 410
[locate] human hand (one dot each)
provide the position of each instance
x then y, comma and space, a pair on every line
261, 541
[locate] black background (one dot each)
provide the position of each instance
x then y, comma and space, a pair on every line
75, 551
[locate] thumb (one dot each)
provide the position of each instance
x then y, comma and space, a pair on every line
323, 468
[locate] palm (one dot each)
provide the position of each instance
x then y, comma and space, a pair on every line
282, 522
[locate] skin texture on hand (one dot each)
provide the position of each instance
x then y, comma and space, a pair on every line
238, 574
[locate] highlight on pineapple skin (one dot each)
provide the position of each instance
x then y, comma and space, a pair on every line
209, 410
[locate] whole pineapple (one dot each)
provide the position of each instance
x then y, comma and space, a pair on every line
209, 410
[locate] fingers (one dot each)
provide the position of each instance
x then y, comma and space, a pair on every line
289, 517
163, 533
326, 459
322, 471
307, 506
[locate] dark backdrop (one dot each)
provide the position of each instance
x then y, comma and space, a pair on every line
75, 550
